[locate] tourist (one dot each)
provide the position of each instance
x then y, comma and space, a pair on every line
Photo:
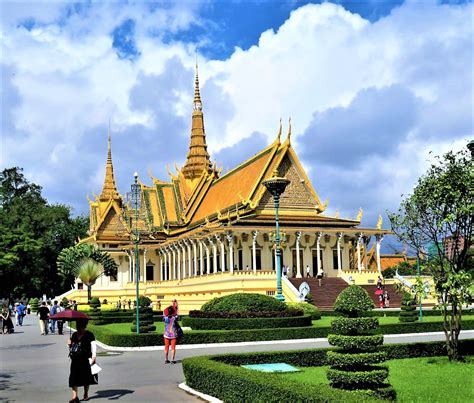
43, 313
175, 307
21, 313
170, 333
284, 271
247, 268
308, 271
235, 267
7, 323
158, 304
82, 351
16, 314
60, 322
320, 275
74, 305
386, 299
379, 283
28, 308
54, 311
381, 301
129, 303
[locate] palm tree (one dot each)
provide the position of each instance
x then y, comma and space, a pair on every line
88, 270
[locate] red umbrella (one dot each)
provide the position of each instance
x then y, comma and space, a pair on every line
378, 292
70, 315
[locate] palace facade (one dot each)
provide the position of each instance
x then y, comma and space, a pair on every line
204, 233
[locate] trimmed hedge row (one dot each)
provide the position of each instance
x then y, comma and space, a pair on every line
226, 336
372, 378
383, 313
249, 315
340, 360
356, 343
220, 376
246, 323
354, 326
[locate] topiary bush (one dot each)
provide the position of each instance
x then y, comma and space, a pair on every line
353, 301
243, 302
34, 303
353, 365
95, 314
408, 311
65, 302
145, 315
307, 308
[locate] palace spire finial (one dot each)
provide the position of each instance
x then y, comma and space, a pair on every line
198, 159
197, 94
289, 130
109, 190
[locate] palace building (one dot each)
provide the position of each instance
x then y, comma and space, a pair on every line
204, 233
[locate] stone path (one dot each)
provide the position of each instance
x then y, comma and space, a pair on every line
35, 368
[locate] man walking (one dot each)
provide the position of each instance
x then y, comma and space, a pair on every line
43, 313
308, 271
54, 311
21, 313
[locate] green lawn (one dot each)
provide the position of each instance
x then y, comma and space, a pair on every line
125, 327
415, 379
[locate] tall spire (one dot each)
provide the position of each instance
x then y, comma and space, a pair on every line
198, 159
109, 190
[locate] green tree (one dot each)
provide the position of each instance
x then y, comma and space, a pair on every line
68, 259
88, 271
32, 232
440, 215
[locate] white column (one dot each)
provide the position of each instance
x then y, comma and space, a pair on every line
201, 257
195, 257
190, 259
161, 265
359, 266
254, 250
130, 266
339, 260
144, 265
208, 259
298, 261
221, 244
214, 255
167, 265
174, 263
318, 252
230, 239
178, 262
183, 260
379, 239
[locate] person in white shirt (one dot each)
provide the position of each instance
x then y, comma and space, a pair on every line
308, 271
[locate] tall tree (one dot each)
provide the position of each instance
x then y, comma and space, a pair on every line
440, 213
32, 232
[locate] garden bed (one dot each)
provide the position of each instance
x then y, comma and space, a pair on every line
119, 335
221, 376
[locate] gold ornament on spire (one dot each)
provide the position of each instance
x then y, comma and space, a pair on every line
379, 222
289, 130
279, 133
359, 214
109, 190
198, 159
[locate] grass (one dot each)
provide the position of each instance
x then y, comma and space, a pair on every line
420, 380
125, 327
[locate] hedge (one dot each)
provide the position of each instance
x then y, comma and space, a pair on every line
244, 302
241, 315
229, 336
356, 343
353, 326
246, 323
372, 378
341, 360
213, 374
383, 313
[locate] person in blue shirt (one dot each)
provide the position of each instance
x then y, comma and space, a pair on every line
21, 313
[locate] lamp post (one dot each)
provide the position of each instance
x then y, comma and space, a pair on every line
276, 186
136, 205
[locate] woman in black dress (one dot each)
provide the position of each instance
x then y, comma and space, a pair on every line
7, 324
82, 351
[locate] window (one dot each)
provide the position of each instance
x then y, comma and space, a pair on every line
315, 260
258, 255
113, 277
80, 286
334, 259
150, 272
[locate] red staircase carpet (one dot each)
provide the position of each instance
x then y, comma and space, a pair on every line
325, 296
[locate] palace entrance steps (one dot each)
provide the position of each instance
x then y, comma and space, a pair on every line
325, 296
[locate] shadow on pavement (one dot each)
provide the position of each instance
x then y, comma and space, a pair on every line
111, 394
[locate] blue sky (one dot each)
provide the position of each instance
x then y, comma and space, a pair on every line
371, 86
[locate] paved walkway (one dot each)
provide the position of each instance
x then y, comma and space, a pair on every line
35, 368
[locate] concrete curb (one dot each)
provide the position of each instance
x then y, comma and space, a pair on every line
465, 333
203, 396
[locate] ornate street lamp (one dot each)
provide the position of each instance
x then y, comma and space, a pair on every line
136, 206
276, 186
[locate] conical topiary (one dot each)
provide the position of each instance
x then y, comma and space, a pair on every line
145, 315
354, 364
34, 303
408, 311
96, 314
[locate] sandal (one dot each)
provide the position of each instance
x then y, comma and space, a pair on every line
173, 362
85, 398
167, 361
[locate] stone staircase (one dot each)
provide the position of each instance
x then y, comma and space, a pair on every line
325, 296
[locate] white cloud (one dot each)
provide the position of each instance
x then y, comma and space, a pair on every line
65, 80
